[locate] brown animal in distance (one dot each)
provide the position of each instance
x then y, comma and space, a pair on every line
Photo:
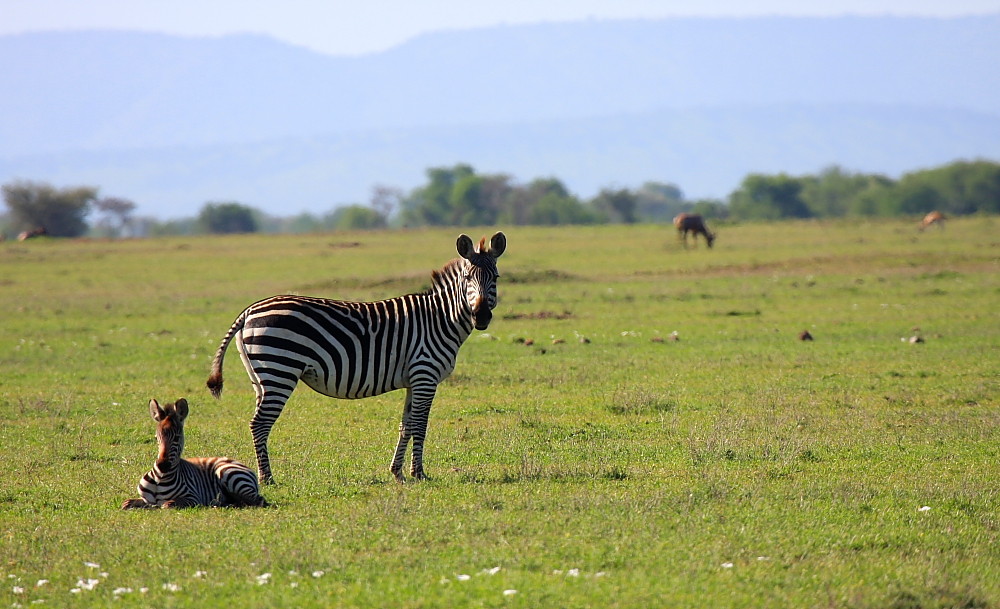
934, 217
693, 223
31, 234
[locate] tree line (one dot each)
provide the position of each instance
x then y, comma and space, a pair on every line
459, 196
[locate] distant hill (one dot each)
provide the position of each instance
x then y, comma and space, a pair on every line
171, 122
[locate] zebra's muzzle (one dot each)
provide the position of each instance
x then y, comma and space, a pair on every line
483, 316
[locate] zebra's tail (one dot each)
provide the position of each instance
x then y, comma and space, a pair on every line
215, 380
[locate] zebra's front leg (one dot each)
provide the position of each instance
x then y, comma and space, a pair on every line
396, 467
420, 410
137, 504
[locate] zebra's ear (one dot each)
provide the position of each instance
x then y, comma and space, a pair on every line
181, 407
498, 243
465, 246
155, 411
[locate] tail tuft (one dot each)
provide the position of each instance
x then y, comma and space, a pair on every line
214, 384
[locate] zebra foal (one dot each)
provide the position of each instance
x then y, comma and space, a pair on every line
177, 483
356, 350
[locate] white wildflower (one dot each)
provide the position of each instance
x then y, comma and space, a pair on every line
509, 592
462, 577
293, 573
41, 583
104, 574
200, 574
171, 587
492, 571
573, 573
92, 565
600, 574
925, 508
74, 591
17, 590
120, 591
294, 585
143, 590
263, 578
87, 584
727, 565
318, 573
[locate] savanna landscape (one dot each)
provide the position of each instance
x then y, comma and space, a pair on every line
641, 425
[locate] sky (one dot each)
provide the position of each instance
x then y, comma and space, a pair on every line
351, 27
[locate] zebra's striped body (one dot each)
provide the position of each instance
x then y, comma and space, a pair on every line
360, 349
206, 481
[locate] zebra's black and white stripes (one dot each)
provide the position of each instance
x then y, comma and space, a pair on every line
176, 483
360, 349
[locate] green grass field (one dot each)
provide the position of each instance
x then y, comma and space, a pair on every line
579, 455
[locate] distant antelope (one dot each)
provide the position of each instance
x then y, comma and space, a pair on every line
693, 223
31, 234
176, 483
935, 217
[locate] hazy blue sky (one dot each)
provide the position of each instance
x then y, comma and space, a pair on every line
354, 27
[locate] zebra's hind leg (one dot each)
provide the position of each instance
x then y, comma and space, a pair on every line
270, 402
238, 486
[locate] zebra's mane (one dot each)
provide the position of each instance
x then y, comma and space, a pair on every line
440, 277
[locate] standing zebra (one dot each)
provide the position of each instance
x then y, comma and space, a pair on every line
176, 483
359, 349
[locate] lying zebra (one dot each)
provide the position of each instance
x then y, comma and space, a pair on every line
177, 483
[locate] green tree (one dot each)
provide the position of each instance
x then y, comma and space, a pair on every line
228, 217
117, 214
710, 208
554, 209
764, 197
432, 204
836, 193
617, 206
357, 217
478, 200
59, 212
521, 202
958, 188
659, 202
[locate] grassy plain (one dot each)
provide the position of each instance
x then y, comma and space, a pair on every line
604, 465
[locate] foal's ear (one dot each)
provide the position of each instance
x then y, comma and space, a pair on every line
181, 407
498, 243
155, 411
465, 246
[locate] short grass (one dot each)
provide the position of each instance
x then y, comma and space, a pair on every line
582, 455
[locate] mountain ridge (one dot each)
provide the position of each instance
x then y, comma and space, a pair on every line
85, 99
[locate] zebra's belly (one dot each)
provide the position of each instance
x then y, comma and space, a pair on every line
337, 386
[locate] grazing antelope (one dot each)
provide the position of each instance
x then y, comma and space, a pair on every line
935, 217
31, 234
351, 350
693, 223
177, 483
